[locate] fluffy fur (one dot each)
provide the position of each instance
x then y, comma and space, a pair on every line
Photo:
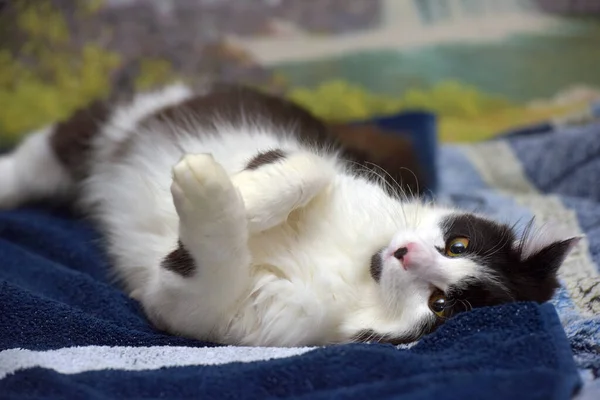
233, 217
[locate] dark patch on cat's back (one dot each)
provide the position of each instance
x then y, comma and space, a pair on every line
71, 139
240, 106
180, 261
264, 158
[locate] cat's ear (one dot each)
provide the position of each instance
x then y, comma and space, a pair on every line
541, 252
543, 249
543, 258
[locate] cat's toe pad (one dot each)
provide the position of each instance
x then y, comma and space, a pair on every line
201, 183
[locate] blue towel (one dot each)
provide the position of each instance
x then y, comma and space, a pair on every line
56, 303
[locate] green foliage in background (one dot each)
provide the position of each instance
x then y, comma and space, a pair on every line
338, 100
342, 101
54, 80
464, 113
48, 79
153, 72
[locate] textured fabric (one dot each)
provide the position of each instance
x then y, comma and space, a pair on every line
566, 163
66, 333
574, 166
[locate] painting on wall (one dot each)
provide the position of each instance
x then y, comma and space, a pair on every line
484, 66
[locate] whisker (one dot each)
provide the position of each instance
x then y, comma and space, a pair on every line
469, 303
382, 181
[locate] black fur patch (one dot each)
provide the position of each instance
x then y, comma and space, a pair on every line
495, 247
180, 261
264, 158
72, 138
376, 266
240, 105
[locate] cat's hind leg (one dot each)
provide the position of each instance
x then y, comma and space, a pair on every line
32, 172
201, 280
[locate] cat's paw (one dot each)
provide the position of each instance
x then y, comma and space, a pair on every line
201, 187
273, 191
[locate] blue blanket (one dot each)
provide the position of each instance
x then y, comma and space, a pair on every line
66, 332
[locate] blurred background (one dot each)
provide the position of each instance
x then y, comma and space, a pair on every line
482, 66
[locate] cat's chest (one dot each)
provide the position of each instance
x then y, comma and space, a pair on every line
326, 246
319, 265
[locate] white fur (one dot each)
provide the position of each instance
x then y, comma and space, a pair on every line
32, 172
125, 117
537, 238
282, 252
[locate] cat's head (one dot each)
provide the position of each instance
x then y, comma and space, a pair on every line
457, 261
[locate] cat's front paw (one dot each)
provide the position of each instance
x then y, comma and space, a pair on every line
275, 190
201, 187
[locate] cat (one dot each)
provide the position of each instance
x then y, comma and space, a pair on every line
233, 216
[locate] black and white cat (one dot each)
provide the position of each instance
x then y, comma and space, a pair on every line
233, 217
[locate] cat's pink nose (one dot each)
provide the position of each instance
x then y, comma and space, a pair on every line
400, 253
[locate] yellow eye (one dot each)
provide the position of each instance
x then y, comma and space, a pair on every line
438, 303
457, 246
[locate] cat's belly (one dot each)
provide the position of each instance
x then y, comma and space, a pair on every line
284, 311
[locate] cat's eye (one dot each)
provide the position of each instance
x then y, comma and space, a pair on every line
457, 246
438, 302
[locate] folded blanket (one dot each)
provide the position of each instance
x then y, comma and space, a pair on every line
66, 332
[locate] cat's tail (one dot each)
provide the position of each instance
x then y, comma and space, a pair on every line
49, 162
32, 172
